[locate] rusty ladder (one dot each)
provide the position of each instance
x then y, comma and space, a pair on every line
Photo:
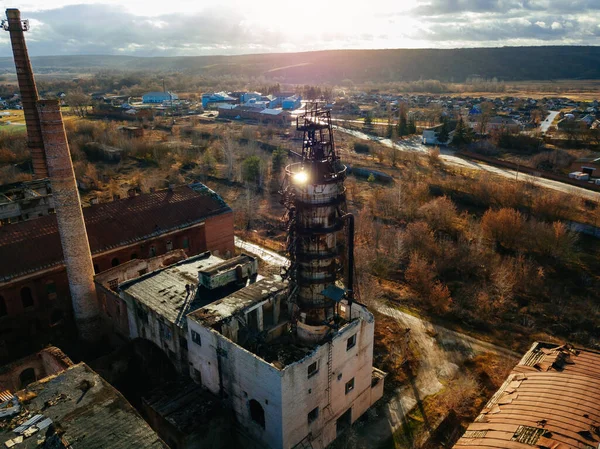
329, 375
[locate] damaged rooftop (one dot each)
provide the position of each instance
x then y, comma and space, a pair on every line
226, 308
550, 400
164, 291
76, 409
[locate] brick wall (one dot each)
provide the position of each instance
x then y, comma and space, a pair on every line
219, 235
22, 326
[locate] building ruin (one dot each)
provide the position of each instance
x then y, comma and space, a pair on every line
72, 407
22, 201
551, 399
291, 356
51, 281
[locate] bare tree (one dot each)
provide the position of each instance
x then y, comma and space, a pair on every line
78, 101
228, 147
487, 110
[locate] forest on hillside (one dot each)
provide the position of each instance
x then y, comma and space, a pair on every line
357, 66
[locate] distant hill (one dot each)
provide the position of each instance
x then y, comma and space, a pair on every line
507, 63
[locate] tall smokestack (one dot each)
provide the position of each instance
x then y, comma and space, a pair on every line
28, 89
71, 226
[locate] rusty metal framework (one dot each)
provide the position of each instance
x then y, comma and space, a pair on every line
318, 143
320, 231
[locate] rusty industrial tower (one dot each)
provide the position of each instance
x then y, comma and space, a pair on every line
51, 157
320, 231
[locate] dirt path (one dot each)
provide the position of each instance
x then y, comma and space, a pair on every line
440, 351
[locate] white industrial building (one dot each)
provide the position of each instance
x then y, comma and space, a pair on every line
242, 347
284, 393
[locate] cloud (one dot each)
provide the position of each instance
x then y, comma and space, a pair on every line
439, 7
510, 22
106, 29
222, 28
453, 7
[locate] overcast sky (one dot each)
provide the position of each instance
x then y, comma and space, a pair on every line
205, 27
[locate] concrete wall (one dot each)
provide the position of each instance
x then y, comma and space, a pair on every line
131, 269
26, 209
240, 376
303, 394
163, 334
289, 395
115, 319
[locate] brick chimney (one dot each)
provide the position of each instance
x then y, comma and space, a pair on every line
71, 226
29, 93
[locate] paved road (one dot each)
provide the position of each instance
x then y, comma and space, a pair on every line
545, 125
449, 157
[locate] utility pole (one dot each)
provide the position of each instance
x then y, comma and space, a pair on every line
171, 100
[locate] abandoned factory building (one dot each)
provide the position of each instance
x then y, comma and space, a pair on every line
292, 355
231, 331
23, 201
34, 291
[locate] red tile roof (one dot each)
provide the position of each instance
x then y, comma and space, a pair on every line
33, 245
550, 400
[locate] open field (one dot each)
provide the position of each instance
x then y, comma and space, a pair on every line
577, 90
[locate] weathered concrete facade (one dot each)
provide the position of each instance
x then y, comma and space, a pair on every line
71, 226
312, 399
150, 299
113, 307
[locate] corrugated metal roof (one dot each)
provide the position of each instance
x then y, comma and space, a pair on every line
93, 414
35, 244
550, 400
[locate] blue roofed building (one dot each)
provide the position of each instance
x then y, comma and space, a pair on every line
249, 96
291, 103
217, 98
158, 97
